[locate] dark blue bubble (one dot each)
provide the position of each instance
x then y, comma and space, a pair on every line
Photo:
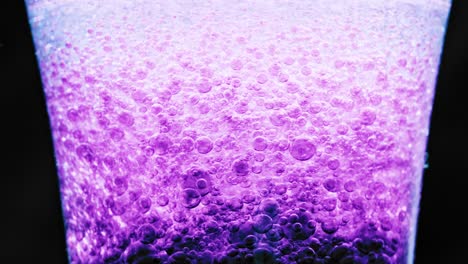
190, 198
262, 223
306, 252
137, 251
250, 240
179, 258
211, 227
263, 255
275, 233
146, 234
270, 207
339, 252
112, 256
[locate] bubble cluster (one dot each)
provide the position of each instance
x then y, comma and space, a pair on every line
239, 132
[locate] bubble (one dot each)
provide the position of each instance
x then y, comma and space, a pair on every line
204, 145
116, 134
330, 185
329, 226
190, 198
160, 144
186, 144
329, 204
250, 240
126, 119
270, 207
120, 185
234, 204
282, 145
367, 117
282, 77
262, 223
146, 234
293, 218
204, 87
302, 149
236, 83
342, 129
263, 255
202, 184
350, 186
260, 144
288, 61
163, 200
262, 78
278, 119
236, 65
248, 198
333, 164
275, 234
306, 71
144, 204
280, 189
294, 112
241, 167
297, 227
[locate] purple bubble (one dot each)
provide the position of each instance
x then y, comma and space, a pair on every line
204, 145
302, 149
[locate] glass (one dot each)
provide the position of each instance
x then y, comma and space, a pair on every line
239, 131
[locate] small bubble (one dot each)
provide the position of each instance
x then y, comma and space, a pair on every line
234, 204
144, 204
257, 169
126, 119
293, 218
333, 164
260, 144
241, 167
330, 185
204, 145
160, 144
236, 65
342, 129
204, 87
350, 186
201, 184
302, 149
72, 115
116, 134
147, 234
275, 233
289, 61
186, 144
282, 77
236, 83
262, 78
274, 70
329, 204
367, 117
294, 112
306, 71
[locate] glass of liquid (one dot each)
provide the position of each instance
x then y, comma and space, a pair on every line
239, 131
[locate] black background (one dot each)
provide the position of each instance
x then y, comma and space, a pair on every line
32, 228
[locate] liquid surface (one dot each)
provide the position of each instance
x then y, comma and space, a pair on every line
239, 131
